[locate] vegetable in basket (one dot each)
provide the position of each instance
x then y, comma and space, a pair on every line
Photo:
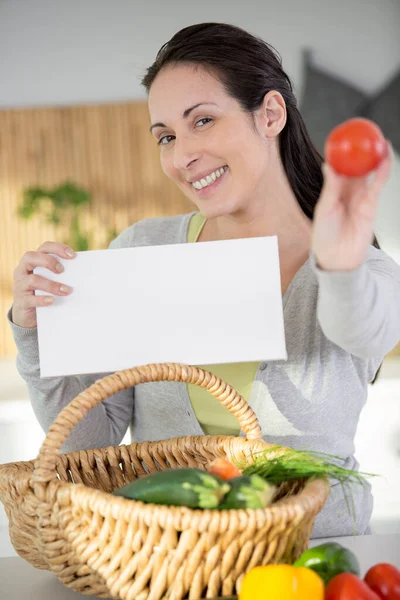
177, 487
329, 560
278, 465
223, 468
248, 491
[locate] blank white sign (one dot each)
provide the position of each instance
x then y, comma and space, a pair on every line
203, 303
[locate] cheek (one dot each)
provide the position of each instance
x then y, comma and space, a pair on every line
244, 148
168, 166
255, 157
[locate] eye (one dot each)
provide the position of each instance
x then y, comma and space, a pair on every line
205, 121
167, 139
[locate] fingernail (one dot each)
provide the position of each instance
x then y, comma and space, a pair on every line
65, 289
70, 253
49, 299
59, 268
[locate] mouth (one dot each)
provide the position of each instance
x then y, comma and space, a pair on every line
207, 184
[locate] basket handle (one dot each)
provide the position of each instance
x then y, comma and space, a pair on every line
78, 408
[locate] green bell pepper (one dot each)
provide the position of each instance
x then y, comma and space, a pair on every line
329, 560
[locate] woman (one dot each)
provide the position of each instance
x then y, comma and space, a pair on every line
231, 137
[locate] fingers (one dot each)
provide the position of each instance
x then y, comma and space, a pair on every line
366, 200
24, 290
382, 173
331, 190
31, 260
61, 250
26, 282
34, 301
34, 282
40, 258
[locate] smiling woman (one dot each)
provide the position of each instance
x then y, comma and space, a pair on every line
235, 148
231, 137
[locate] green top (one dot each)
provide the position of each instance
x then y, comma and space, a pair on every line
213, 417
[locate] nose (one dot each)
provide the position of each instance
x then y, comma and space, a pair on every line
185, 153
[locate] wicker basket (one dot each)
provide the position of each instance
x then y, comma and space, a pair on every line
63, 518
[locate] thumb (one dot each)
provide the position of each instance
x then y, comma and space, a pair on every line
331, 189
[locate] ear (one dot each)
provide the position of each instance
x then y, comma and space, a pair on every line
271, 116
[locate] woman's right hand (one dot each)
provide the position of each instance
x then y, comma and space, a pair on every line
26, 282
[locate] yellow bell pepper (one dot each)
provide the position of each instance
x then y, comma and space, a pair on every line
281, 582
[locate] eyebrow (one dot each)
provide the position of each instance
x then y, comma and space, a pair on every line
185, 114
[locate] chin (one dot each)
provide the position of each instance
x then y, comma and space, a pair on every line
212, 210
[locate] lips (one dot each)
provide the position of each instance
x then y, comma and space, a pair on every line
201, 182
208, 189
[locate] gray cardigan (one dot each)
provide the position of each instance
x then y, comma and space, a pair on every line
338, 328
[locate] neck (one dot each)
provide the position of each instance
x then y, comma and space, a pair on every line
275, 213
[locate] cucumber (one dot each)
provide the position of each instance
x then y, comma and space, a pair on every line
177, 487
248, 491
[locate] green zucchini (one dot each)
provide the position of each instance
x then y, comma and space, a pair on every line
177, 487
248, 491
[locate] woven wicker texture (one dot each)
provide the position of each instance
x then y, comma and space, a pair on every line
63, 518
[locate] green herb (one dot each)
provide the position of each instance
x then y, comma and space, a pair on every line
278, 465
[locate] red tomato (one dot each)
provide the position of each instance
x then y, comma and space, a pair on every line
384, 579
348, 586
355, 148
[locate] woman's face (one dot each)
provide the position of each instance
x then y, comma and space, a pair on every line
208, 144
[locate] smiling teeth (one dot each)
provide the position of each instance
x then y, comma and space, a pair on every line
206, 181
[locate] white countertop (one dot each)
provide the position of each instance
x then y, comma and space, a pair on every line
20, 581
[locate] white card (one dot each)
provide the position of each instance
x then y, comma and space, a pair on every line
203, 303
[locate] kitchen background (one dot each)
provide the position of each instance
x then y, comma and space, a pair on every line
77, 162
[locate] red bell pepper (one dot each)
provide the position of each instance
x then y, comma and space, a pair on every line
384, 579
348, 586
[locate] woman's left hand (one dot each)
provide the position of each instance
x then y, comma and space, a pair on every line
344, 217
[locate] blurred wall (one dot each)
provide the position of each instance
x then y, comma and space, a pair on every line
80, 51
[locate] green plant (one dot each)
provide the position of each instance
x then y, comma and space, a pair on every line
60, 205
